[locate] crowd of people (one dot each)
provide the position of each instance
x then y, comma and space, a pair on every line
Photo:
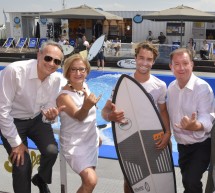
191, 45
82, 44
31, 98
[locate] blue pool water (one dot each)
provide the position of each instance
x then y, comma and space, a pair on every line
101, 83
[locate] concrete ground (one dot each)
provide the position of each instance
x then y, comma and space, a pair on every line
110, 178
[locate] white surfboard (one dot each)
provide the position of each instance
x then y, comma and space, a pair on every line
127, 63
67, 49
94, 49
145, 168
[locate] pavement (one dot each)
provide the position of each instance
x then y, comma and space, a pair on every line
110, 178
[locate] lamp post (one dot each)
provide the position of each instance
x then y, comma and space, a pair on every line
63, 4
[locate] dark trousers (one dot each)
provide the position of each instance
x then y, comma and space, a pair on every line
202, 53
210, 187
42, 135
193, 161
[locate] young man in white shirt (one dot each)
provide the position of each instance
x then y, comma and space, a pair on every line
190, 102
28, 92
145, 56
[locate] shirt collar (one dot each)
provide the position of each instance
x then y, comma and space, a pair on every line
190, 83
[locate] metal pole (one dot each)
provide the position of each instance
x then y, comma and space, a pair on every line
63, 4
181, 33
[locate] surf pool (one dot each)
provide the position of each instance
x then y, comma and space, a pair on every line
102, 82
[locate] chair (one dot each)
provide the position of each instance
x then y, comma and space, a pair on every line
175, 45
8, 43
21, 43
41, 42
207, 54
32, 43
108, 47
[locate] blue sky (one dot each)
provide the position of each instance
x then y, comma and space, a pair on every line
108, 5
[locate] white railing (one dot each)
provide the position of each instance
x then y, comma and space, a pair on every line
128, 49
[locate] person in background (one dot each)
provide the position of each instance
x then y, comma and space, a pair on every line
162, 38
107, 46
150, 37
191, 46
63, 41
28, 93
79, 135
100, 58
204, 51
85, 43
117, 46
145, 56
190, 102
80, 31
100, 55
92, 41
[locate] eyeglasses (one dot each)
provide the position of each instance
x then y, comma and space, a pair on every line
49, 59
75, 70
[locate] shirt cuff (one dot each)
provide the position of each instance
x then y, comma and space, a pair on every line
48, 121
14, 142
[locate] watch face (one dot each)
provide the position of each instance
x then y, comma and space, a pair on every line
138, 18
43, 20
16, 20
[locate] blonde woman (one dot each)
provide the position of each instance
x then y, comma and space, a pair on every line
79, 136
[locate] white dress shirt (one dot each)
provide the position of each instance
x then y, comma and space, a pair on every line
86, 43
22, 95
205, 47
197, 96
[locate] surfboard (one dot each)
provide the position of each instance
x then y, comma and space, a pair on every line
127, 63
67, 49
145, 168
94, 49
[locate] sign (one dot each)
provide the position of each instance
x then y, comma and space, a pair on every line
175, 29
138, 18
43, 21
16, 20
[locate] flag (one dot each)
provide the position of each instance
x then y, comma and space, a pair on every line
5, 17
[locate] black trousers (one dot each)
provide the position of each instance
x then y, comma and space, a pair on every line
193, 161
210, 187
43, 137
202, 53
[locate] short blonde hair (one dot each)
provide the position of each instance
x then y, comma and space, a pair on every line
181, 51
69, 63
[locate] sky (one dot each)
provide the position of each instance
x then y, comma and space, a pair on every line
108, 5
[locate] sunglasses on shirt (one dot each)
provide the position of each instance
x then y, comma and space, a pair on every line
49, 59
